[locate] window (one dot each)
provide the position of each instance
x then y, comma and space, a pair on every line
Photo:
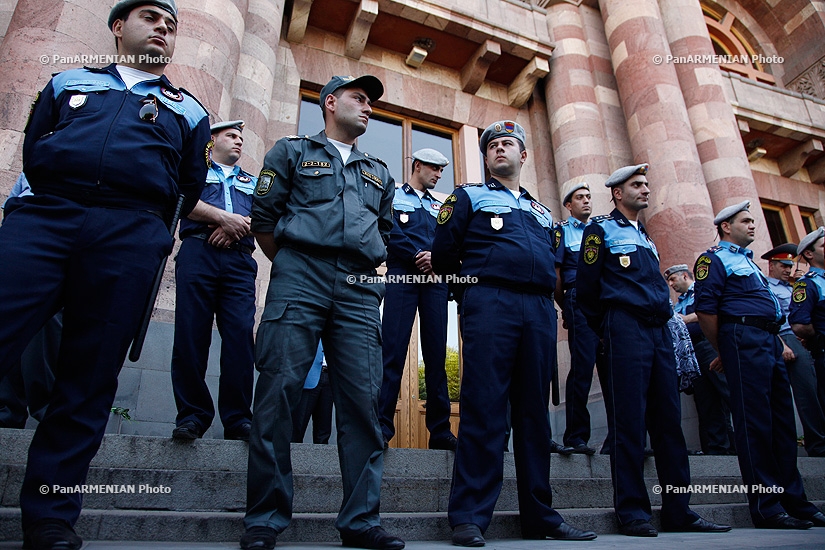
729, 43
777, 228
393, 139
808, 221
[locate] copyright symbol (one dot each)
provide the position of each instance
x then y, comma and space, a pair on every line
44, 489
657, 489
351, 279
657, 60
44, 60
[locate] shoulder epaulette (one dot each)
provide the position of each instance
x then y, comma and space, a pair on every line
600, 219
376, 159
191, 95
471, 184
714, 249
292, 137
562, 223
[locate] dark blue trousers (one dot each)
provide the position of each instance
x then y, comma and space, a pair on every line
98, 264
644, 396
712, 398
583, 344
509, 354
213, 283
763, 421
400, 304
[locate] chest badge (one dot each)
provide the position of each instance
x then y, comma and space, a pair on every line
404, 218
77, 101
624, 260
497, 222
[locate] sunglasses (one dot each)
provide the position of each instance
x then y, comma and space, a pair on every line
149, 109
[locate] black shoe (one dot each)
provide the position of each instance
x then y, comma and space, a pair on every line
701, 525
241, 433
560, 449
259, 537
565, 531
638, 528
784, 521
818, 519
469, 535
187, 431
445, 443
374, 537
583, 449
51, 534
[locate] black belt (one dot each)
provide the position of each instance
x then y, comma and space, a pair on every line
762, 323
234, 246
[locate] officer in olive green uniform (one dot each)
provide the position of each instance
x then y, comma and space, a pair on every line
323, 213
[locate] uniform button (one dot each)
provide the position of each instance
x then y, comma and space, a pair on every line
317, 172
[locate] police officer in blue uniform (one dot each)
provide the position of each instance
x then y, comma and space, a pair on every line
323, 214
107, 152
807, 312
710, 391
215, 279
741, 318
409, 254
624, 299
499, 240
798, 361
581, 339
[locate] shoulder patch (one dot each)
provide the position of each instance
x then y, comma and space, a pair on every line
800, 292
556, 237
702, 267
446, 209
31, 109
207, 153
592, 243
264, 182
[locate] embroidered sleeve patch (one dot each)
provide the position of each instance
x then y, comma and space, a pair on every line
373, 179
800, 293
264, 182
207, 153
702, 268
592, 243
446, 209
557, 235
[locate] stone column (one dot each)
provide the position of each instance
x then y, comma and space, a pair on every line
715, 130
576, 128
42, 36
255, 78
679, 217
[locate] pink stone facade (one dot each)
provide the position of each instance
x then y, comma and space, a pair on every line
712, 137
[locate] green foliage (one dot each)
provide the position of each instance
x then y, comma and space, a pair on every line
120, 411
453, 382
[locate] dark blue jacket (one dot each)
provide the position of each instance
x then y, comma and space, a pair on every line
808, 301
568, 235
619, 268
413, 228
232, 193
86, 142
729, 283
484, 232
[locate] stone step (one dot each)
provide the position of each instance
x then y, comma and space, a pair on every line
141, 525
210, 476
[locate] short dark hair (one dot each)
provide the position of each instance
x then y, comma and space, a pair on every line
337, 93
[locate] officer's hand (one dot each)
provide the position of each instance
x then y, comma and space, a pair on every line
423, 261
235, 225
788, 355
716, 365
220, 239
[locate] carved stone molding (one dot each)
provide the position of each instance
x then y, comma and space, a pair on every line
812, 81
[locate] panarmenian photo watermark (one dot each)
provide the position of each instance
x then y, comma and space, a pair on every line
718, 59
104, 59
105, 489
717, 489
390, 279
